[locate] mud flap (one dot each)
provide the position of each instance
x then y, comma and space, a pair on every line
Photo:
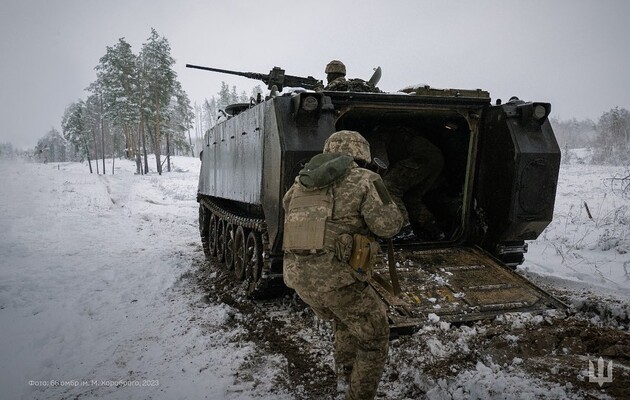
457, 284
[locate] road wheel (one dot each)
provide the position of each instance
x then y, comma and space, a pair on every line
204, 219
229, 246
253, 258
213, 235
240, 253
221, 240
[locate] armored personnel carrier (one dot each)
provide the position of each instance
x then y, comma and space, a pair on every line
497, 191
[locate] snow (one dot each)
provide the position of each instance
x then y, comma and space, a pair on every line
590, 257
591, 252
491, 381
97, 299
91, 277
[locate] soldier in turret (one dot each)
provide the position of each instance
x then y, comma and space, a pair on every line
335, 74
332, 212
336, 80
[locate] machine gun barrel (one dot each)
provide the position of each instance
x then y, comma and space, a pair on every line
251, 75
276, 77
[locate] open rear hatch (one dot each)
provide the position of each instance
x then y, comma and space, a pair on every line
457, 284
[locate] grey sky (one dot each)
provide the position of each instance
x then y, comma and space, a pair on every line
571, 53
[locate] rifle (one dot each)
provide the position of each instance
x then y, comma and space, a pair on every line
276, 77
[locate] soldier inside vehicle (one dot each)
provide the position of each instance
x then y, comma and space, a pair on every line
427, 159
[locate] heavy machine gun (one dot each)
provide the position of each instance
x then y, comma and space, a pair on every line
276, 77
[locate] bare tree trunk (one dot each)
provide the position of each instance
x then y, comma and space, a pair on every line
129, 145
144, 147
102, 135
156, 137
113, 153
87, 154
136, 151
192, 149
141, 135
156, 150
95, 150
168, 152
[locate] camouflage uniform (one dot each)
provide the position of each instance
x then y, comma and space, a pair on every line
415, 166
360, 205
336, 73
352, 85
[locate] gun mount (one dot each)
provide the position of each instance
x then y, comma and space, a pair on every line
276, 77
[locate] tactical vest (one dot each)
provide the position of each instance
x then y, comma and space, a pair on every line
308, 228
305, 220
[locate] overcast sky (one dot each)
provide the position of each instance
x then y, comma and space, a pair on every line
572, 53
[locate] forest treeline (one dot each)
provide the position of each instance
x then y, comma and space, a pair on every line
608, 138
135, 106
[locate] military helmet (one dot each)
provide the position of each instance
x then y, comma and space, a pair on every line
335, 67
349, 142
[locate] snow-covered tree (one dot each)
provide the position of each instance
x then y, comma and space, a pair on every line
210, 113
613, 139
178, 122
6, 150
158, 78
117, 73
93, 120
574, 133
74, 128
51, 148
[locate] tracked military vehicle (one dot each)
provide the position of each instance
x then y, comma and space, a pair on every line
497, 190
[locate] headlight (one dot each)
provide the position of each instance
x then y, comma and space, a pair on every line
540, 112
309, 103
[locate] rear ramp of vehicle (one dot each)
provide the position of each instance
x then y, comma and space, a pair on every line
457, 284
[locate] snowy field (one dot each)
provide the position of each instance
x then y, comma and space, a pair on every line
97, 298
588, 255
90, 274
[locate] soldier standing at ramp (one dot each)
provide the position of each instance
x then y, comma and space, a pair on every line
331, 212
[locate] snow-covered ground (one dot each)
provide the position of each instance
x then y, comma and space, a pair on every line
90, 300
587, 255
97, 298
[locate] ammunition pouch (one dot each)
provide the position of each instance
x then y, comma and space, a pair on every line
363, 257
343, 247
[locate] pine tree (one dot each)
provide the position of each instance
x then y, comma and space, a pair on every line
182, 120
73, 125
225, 97
159, 80
210, 113
92, 118
117, 73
